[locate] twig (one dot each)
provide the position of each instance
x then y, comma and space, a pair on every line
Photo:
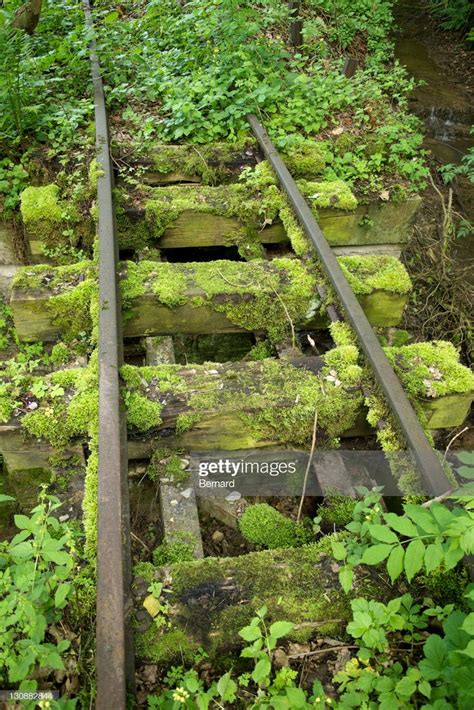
293, 334
308, 466
321, 651
230, 282
466, 428
438, 499
315, 624
135, 537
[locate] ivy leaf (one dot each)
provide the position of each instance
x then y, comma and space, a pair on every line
466, 457
227, 688
452, 557
425, 688
442, 515
279, 702
297, 697
406, 686
469, 650
192, 684
435, 650
383, 533
53, 660
250, 633
404, 526
395, 563
346, 576
414, 556
466, 472
338, 550
61, 594
262, 669
422, 517
376, 554
23, 522
280, 628
434, 555
111, 17
468, 624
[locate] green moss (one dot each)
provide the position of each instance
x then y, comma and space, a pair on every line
165, 464
179, 550
431, 369
213, 162
46, 216
447, 587
236, 200
270, 297
41, 210
307, 159
89, 503
48, 424
185, 422
366, 274
70, 291
337, 510
165, 646
264, 525
260, 351
165, 377
260, 296
95, 172
301, 587
142, 413
334, 193
166, 280
8, 402
60, 354
342, 333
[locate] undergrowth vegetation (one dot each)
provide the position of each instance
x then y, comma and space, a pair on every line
190, 72
193, 72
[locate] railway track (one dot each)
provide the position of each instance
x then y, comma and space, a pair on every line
114, 656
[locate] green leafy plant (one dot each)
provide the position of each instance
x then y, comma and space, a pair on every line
390, 672
424, 539
36, 571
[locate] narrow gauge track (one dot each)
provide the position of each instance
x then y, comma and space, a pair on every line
114, 654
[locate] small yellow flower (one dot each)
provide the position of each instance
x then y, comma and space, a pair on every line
318, 699
180, 695
329, 701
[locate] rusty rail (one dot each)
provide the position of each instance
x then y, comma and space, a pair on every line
114, 652
425, 458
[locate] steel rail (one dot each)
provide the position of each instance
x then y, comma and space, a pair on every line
114, 645
426, 459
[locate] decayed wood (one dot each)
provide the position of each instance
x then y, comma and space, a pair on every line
148, 316
211, 599
200, 229
375, 228
220, 423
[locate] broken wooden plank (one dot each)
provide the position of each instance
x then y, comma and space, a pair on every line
163, 298
250, 405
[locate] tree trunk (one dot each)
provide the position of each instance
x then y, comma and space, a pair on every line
27, 16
